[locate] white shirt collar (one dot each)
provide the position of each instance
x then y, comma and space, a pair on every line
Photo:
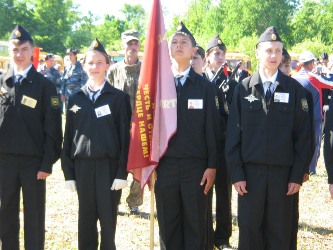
23, 73
185, 74
271, 79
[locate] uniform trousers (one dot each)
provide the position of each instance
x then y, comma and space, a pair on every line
318, 137
181, 203
97, 201
223, 194
294, 229
265, 212
16, 175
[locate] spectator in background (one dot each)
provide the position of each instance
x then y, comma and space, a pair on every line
241, 73
314, 83
51, 73
124, 75
73, 78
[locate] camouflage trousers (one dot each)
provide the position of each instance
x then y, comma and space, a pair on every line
135, 196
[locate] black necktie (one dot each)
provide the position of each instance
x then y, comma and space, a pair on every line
268, 91
94, 93
179, 84
18, 79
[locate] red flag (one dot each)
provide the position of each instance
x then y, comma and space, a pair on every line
225, 71
154, 119
35, 57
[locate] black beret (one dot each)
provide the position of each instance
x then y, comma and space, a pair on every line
324, 56
216, 41
21, 34
181, 28
270, 35
97, 46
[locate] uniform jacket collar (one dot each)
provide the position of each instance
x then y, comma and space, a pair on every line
9, 77
192, 75
107, 88
280, 80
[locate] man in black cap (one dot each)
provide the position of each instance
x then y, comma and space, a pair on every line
267, 148
94, 157
31, 137
217, 73
186, 172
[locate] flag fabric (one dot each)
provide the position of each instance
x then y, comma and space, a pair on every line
154, 118
320, 83
35, 57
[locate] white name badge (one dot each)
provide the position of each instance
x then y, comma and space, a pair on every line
28, 101
281, 97
195, 104
102, 111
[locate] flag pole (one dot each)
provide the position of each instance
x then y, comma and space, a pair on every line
152, 209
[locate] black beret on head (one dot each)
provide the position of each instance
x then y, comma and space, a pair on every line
270, 35
97, 46
181, 28
216, 41
20, 34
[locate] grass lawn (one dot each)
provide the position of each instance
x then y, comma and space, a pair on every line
133, 232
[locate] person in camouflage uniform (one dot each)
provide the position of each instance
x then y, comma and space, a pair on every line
73, 78
124, 75
51, 73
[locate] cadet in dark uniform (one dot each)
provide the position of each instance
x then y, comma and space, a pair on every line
328, 145
215, 57
268, 135
285, 68
31, 137
95, 150
186, 172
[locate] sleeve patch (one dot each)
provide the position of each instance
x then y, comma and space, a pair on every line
55, 103
305, 105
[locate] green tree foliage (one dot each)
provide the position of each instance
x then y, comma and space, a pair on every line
52, 22
314, 20
109, 32
49, 22
57, 24
135, 17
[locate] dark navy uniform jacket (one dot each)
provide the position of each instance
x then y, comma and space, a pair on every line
30, 119
88, 136
328, 142
277, 134
197, 133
